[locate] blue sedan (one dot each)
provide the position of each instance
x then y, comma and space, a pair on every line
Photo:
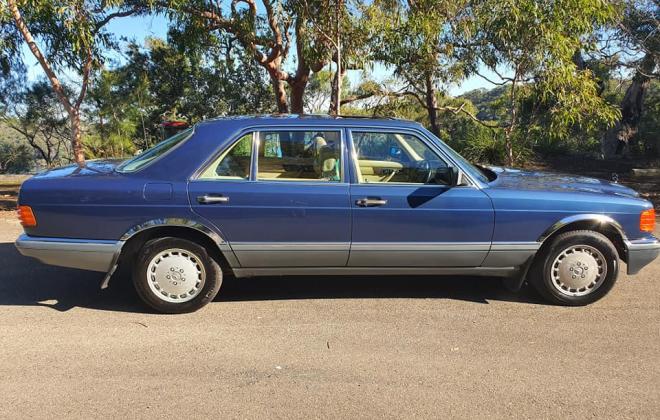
311, 195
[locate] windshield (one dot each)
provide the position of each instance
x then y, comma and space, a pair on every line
150, 155
472, 170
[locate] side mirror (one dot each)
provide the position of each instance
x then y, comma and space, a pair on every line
448, 175
395, 152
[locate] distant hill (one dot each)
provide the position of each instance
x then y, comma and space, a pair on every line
484, 100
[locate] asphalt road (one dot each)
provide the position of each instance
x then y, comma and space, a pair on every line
323, 347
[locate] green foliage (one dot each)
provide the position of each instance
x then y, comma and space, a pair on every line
15, 158
169, 80
37, 116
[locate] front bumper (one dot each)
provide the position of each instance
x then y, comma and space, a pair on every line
641, 253
84, 254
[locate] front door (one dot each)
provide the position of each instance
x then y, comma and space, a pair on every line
404, 212
279, 198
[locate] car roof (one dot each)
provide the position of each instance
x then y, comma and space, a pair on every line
308, 119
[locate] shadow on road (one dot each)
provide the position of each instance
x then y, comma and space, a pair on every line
27, 282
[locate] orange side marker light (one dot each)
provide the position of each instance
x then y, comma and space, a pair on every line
26, 216
647, 220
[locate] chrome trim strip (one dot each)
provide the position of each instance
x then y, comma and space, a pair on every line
420, 246
192, 224
515, 246
84, 254
597, 218
385, 246
290, 246
255, 129
422, 134
173, 221
376, 271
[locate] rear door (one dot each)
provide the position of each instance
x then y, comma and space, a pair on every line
404, 213
280, 197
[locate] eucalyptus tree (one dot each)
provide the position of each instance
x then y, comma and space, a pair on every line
271, 32
67, 35
633, 44
529, 46
38, 116
418, 40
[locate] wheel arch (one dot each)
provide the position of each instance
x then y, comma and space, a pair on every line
600, 223
191, 230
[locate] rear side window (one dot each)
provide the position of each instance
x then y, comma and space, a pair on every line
299, 156
151, 155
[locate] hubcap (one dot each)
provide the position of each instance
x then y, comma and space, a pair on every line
176, 275
578, 270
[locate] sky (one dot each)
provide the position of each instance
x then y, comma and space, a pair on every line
141, 27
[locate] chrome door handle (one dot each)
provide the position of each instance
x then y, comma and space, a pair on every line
370, 202
212, 199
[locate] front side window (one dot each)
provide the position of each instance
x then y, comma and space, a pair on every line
299, 156
234, 163
397, 158
155, 152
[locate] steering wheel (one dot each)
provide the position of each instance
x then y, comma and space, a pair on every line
425, 166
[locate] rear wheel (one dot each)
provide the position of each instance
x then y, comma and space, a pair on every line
576, 268
174, 275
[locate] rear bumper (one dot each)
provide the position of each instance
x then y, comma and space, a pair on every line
641, 253
84, 254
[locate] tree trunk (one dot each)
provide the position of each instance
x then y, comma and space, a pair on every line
280, 94
508, 148
615, 142
76, 138
432, 104
335, 96
298, 87
79, 156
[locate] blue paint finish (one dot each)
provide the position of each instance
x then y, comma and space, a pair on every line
416, 214
96, 202
278, 212
157, 191
528, 203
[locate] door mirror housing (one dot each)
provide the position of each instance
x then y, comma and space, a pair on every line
395, 152
448, 175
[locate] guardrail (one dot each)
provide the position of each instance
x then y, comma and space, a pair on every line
12, 179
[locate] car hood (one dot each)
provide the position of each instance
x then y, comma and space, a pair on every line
547, 181
91, 168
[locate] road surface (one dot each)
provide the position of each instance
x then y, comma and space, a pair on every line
323, 347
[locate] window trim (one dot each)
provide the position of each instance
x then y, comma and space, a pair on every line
342, 171
254, 161
401, 131
200, 172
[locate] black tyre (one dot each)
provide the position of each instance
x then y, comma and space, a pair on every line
576, 268
175, 275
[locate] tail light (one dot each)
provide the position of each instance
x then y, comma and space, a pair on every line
26, 216
647, 220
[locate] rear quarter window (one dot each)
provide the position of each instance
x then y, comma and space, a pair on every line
155, 153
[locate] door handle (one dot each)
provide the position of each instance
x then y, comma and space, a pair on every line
370, 202
212, 199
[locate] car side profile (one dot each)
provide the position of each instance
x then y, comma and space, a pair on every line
312, 195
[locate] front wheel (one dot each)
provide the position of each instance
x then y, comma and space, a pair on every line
174, 275
576, 268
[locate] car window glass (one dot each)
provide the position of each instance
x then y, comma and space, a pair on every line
397, 158
154, 153
299, 156
234, 163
